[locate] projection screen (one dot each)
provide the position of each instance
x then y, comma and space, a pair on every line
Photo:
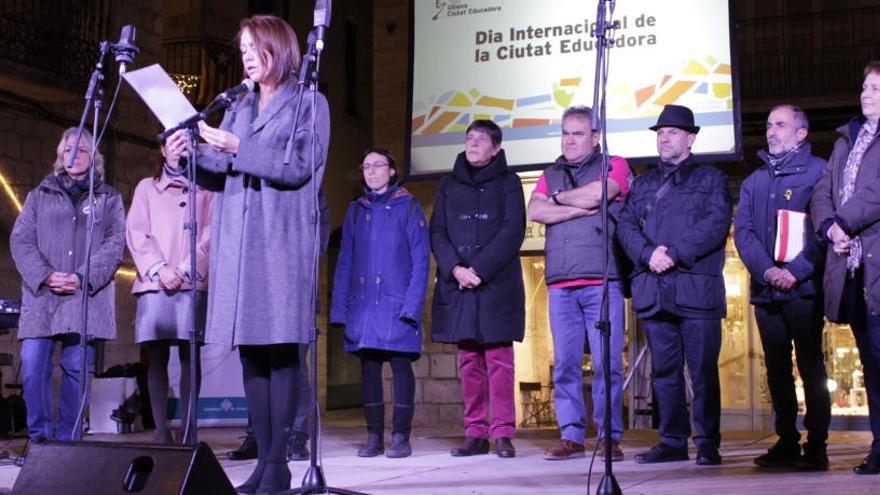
520, 63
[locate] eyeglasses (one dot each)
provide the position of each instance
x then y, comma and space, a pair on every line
372, 166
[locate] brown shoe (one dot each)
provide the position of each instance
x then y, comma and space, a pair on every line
565, 449
616, 451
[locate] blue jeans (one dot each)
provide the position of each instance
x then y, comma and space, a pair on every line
36, 372
573, 315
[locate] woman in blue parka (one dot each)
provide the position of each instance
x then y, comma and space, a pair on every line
378, 294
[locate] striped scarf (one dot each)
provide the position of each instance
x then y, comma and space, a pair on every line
850, 173
779, 161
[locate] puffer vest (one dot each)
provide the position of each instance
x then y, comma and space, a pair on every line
574, 248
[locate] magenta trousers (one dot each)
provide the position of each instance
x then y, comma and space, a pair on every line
487, 379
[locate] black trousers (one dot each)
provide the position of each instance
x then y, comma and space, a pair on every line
800, 322
674, 341
866, 330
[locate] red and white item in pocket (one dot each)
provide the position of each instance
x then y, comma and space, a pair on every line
790, 234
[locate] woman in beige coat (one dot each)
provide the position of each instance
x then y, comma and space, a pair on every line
160, 248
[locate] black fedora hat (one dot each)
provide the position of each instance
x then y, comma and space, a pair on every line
676, 116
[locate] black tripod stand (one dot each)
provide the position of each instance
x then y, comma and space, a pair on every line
608, 485
222, 102
314, 481
125, 52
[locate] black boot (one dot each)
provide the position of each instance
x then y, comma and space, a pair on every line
815, 457
296, 447
871, 464
400, 446
375, 416
781, 454
249, 487
402, 422
247, 450
471, 446
276, 478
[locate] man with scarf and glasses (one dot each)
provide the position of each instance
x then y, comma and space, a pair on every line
786, 286
566, 200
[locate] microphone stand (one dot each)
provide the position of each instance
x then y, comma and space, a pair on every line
608, 485
94, 95
190, 432
314, 481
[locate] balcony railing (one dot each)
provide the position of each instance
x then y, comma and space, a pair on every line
811, 55
57, 36
202, 67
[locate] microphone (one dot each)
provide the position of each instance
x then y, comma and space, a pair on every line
222, 101
246, 86
322, 21
125, 49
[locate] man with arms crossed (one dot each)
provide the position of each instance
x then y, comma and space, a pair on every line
566, 200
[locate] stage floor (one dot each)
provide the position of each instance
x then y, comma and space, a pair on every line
431, 470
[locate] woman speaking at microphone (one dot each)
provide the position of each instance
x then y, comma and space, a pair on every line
263, 233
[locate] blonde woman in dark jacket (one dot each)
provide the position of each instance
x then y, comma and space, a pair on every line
48, 247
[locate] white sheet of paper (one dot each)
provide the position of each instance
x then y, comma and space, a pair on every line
161, 95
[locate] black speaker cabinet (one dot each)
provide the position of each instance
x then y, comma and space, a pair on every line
104, 468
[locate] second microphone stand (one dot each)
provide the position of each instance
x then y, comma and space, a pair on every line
608, 485
94, 96
190, 431
314, 481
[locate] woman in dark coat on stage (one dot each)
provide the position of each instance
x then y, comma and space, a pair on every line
48, 247
845, 211
477, 229
378, 295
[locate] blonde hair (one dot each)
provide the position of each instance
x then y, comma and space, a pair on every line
86, 142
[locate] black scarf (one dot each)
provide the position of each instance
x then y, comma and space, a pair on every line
74, 188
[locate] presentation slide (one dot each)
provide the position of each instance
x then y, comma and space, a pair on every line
521, 63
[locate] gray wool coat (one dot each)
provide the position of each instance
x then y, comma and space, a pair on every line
49, 236
263, 230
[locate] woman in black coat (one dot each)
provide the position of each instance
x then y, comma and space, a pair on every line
477, 229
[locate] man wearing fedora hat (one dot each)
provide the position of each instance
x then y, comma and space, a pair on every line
673, 227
